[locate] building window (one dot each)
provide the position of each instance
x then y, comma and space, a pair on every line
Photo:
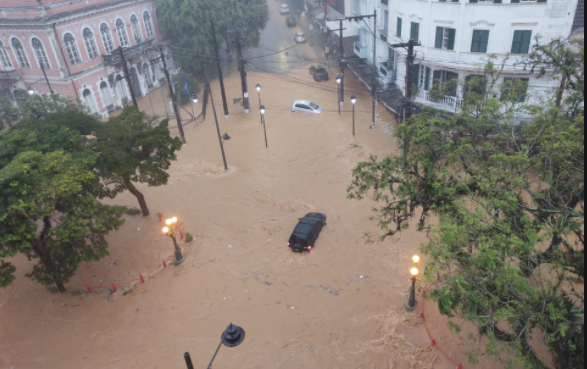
445, 38
424, 78
106, 35
515, 89
90, 43
40, 53
148, 24
398, 30
4, 59
71, 49
488, 1
415, 32
475, 87
21, 57
136, 28
480, 41
385, 2
445, 82
89, 101
452, 1
107, 100
522, 41
121, 32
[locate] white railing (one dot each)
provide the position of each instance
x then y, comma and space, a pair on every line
444, 102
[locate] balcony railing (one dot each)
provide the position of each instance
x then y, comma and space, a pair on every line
444, 102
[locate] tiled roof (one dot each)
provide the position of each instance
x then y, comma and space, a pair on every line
28, 3
579, 16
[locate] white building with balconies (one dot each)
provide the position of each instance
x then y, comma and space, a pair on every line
457, 38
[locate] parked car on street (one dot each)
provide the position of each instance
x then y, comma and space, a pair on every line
291, 21
284, 9
307, 231
319, 73
305, 106
300, 37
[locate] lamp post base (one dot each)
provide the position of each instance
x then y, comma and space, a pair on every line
179, 259
410, 307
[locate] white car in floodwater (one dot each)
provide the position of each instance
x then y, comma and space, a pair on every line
284, 9
305, 106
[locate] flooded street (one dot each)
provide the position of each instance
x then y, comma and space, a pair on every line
340, 306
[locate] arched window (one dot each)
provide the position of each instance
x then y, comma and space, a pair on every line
90, 43
107, 101
136, 28
148, 76
120, 83
71, 49
106, 35
121, 32
148, 24
20, 54
89, 101
40, 53
4, 59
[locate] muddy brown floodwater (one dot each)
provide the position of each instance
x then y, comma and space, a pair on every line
339, 306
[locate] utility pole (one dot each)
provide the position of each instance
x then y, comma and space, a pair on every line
374, 80
47, 79
173, 99
409, 82
224, 103
215, 117
341, 63
324, 2
241, 68
127, 77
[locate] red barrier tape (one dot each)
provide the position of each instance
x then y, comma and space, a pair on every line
432, 340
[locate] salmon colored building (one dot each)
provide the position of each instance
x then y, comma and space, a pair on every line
75, 43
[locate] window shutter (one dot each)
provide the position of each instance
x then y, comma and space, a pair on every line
516, 1
427, 82
526, 41
524, 89
436, 78
399, 27
476, 44
484, 41
452, 36
542, 1
415, 34
497, 1
456, 1
439, 37
517, 45
473, 1
453, 79
416, 74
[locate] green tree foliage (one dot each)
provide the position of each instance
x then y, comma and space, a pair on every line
187, 23
510, 200
33, 108
134, 149
48, 188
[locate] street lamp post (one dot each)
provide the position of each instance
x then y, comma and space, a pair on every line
258, 87
170, 230
411, 303
263, 121
338, 80
194, 99
353, 101
231, 337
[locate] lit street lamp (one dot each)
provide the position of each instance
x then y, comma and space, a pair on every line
263, 121
416, 260
353, 101
194, 99
170, 230
31, 91
411, 303
258, 87
232, 337
338, 80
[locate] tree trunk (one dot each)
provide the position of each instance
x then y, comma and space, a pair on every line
61, 287
139, 196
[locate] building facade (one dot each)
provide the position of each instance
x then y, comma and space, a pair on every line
74, 42
457, 38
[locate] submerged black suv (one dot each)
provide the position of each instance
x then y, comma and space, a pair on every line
307, 232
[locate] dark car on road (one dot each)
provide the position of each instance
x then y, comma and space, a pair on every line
319, 73
291, 21
307, 232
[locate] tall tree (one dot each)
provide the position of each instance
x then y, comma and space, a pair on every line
187, 23
134, 149
510, 242
48, 199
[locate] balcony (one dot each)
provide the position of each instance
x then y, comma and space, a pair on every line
442, 102
360, 50
10, 76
